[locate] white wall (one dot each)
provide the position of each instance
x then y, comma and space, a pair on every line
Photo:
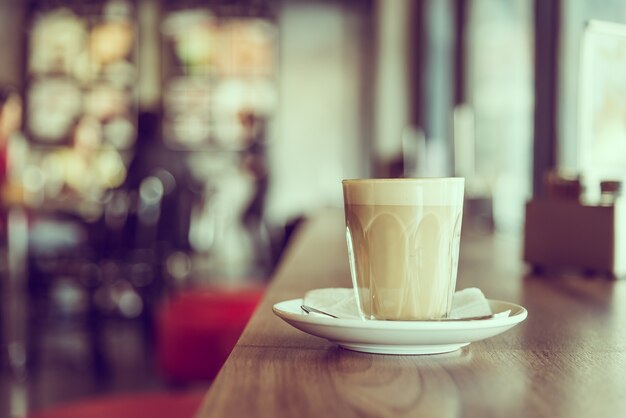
316, 137
575, 14
392, 95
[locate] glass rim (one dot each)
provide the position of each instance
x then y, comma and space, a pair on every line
404, 180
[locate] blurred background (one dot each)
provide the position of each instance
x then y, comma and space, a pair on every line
156, 156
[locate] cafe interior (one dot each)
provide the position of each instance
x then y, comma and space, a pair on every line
158, 160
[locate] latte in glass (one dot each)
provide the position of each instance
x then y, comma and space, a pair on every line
403, 243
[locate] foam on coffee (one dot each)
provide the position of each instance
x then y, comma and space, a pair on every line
431, 191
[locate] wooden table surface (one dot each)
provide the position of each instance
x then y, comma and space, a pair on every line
568, 359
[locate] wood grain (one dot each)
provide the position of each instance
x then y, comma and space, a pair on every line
568, 359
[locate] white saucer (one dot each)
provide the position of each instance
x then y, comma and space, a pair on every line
400, 337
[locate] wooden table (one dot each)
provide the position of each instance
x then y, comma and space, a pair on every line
568, 359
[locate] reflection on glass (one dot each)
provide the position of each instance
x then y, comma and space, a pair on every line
53, 104
188, 110
89, 166
81, 114
110, 42
56, 39
81, 111
80, 65
221, 67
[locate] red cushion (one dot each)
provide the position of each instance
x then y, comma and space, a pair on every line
196, 330
153, 405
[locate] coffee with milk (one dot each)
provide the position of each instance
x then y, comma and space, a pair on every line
403, 243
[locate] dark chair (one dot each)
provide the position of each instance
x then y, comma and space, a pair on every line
63, 276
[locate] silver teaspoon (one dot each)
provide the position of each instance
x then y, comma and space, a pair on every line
309, 309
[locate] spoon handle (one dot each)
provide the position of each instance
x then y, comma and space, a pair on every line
309, 309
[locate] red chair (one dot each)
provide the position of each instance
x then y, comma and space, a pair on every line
152, 405
196, 330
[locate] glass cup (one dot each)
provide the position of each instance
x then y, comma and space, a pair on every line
403, 244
